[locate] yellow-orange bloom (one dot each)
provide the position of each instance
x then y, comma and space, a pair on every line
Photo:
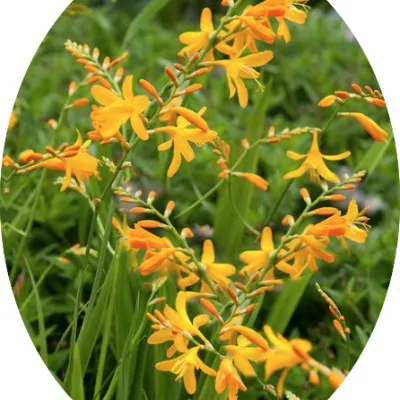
116, 110
184, 367
314, 162
181, 137
242, 354
284, 355
217, 272
178, 322
8, 162
376, 132
258, 259
228, 377
197, 41
239, 68
74, 160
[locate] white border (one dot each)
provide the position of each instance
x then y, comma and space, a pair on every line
24, 23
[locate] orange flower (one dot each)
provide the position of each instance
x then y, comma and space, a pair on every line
74, 160
376, 132
242, 355
8, 162
228, 377
239, 68
181, 137
284, 355
197, 41
184, 367
116, 110
217, 272
258, 259
314, 161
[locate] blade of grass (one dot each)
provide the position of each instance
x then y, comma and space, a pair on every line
242, 191
77, 387
42, 327
143, 18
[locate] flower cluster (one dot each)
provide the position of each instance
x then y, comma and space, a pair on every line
213, 335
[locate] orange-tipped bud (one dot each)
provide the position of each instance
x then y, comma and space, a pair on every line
336, 378
273, 139
126, 199
369, 90
356, 88
342, 94
369, 125
313, 378
119, 74
335, 197
91, 68
63, 260
83, 101
324, 211
288, 220
30, 155
51, 150
96, 53
348, 186
338, 326
104, 82
199, 72
82, 61
52, 123
376, 102
245, 144
191, 89
149, 224
151, 197
240, 286
121, 58
260, 291
151, 90
106, 62
211, 309
232, 294
157, 300
192, 117
72, 88
179, 67
248, 309
328, 101
8, 162
170, 207
139, 210
171, 75
187, 233
254, 179
305, 194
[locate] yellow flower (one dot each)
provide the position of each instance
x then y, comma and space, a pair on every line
242, 354
13, 120
74, 160
228, 377
116, 110
179, 323
314, 162
376, 132
8, 162
292, 14
284, 355
343, 226
309, 250
184, 367
181, 137
197, 41
217, 272
258, 259
239, 68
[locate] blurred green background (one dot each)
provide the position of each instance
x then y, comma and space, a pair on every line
322, 57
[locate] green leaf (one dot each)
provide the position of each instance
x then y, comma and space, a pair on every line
287, 302
143, 18
77, 388
242, 191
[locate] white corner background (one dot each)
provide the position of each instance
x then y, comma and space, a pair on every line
23, 25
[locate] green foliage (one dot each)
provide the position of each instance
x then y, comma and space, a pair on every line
322, 57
